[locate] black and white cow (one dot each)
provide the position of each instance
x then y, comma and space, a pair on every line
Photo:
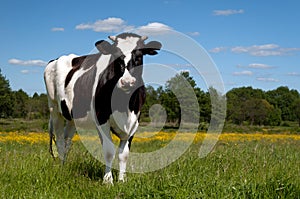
106, 87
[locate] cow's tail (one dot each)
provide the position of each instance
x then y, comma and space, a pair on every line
51, 137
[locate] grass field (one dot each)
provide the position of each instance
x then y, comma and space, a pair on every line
240, 166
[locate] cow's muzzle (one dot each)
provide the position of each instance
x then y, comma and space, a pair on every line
127, 82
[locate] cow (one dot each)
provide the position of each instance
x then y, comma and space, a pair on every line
81, 87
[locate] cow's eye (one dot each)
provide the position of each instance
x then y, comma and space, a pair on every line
137, 57
122, 57
138, 53
138, 62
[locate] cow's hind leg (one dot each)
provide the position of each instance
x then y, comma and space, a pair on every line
69, 134
51, 137
58, 128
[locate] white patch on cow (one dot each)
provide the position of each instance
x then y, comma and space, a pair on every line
69, 89
108, 151
124, 124
55, 76
123, 156
126, 81
101, 64
127, 45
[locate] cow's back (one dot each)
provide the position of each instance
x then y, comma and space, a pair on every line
55, 75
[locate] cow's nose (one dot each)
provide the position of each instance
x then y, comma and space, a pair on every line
132, 82
123, 82
128, 83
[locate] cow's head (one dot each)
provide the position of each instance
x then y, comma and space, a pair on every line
133, 49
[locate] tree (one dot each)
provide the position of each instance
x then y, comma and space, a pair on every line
296, 108
169, 101
20, 104
236, 105
257, 111
6, 98
283, 98
274, 117
151, 99
180, 99
38, 106
204, 102
218, 107
252, 105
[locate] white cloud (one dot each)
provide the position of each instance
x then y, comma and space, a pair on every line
260, 66
218, 49
264, 50
179, 65
115, 25
24, 71
194, 34
27, 62
258, 50
57, 29
293, 74
267, 79
227, 12
111, 24
243, 73
154, 28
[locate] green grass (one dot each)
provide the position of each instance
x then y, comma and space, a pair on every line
41, 125
23, 125
257, 169
287, 128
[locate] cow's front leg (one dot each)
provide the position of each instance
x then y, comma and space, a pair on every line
108, 152
124, 148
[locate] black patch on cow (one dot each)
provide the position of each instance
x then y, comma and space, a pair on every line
65, 110
107, 81
137, 99
105, 105
84, 62
128, 34
129, 142
105, 47
114, 132
52, 60
133, 101
77, 61
83, 87
83, 90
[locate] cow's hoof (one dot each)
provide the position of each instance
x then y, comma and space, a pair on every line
54, 153
122, 178
108, 179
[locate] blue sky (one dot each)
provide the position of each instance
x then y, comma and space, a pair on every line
253, 43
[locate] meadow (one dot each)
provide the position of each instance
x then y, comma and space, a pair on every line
240, 166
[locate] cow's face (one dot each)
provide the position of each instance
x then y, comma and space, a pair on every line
133, 49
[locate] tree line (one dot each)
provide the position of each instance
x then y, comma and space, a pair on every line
18, 104
245, 105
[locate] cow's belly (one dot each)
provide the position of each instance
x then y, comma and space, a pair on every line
124, 125
86, 123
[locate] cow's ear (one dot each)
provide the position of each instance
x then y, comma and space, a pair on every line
151, 48
104, 47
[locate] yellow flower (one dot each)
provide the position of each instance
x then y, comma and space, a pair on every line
33, 137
